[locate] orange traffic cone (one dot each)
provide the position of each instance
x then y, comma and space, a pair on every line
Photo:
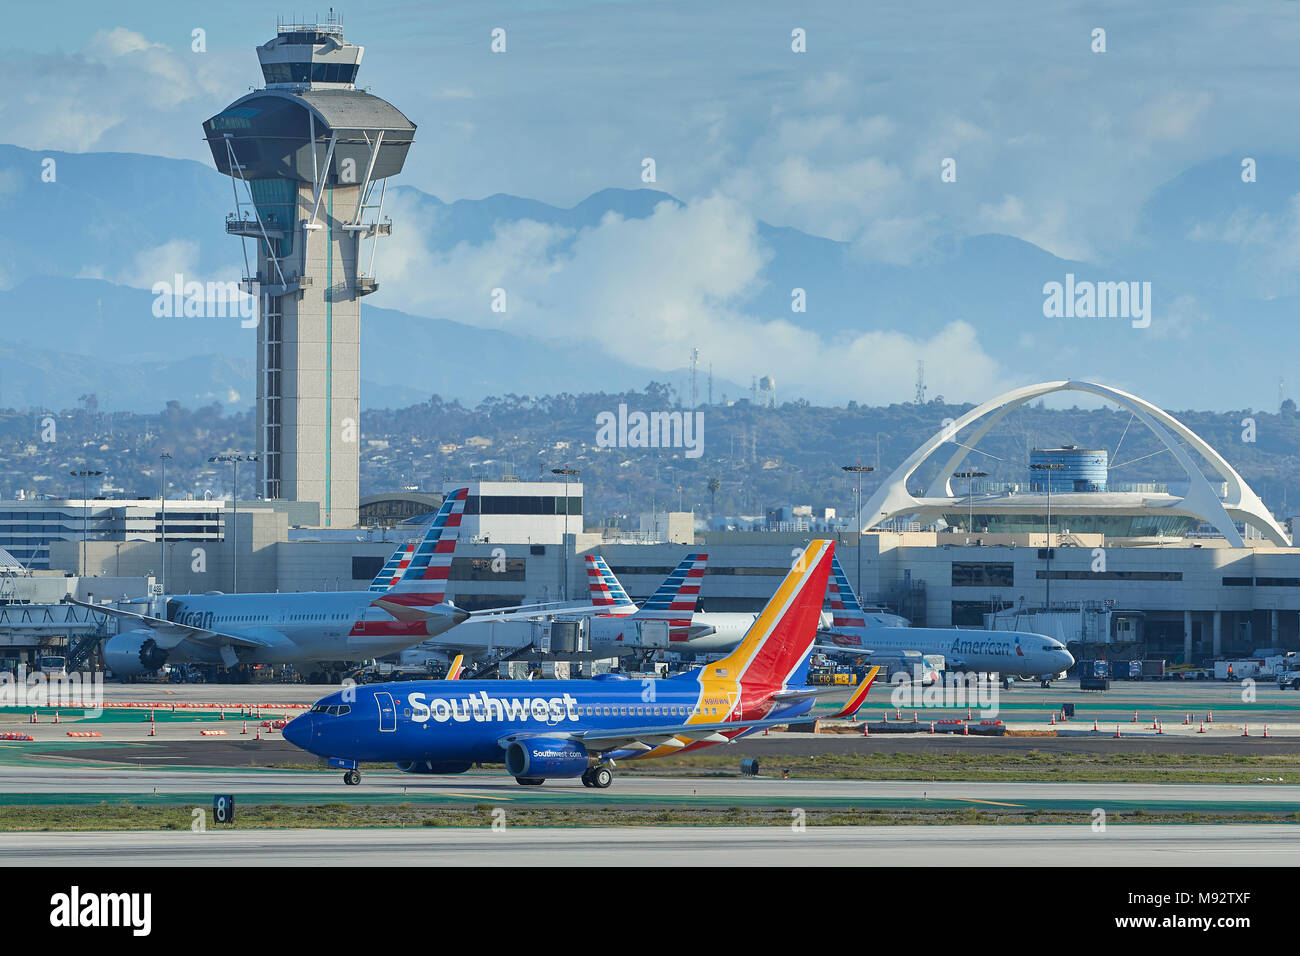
1187, 719
886, 715
965, 730
1160, 728
914, 717
34, 720
153, 729
932, 726
223, 716
1209, 718
1245, 730
1094, 725
866, 729
245, 730
56, 716
1135, 717
1266, 730
1117, 730
1052, 722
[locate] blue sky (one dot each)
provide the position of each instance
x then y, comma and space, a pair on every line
844, 140
1054, 144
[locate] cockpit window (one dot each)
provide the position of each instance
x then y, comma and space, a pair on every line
333, 710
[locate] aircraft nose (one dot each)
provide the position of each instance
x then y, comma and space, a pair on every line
298, 731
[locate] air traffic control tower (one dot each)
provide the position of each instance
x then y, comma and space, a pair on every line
309, 157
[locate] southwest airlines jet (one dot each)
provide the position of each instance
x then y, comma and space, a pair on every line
405, 604
578, 729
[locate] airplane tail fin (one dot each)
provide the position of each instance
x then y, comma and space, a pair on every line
392, 572
676, 598
606, 591
777, 643
846, 609
424, 582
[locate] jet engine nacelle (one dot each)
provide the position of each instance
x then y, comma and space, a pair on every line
546, 757
133, 653
429, 766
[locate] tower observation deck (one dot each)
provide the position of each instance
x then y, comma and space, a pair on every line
309, 157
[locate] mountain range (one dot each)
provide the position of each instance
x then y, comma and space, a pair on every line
79, 253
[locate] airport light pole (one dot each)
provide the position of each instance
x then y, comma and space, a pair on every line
162, 522
234, 519
970, 477
567, 473
85, 475
859, 469
1049, 467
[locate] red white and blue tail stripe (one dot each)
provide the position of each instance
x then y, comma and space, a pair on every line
424, 582
678, 595
846, 610
675, 599
606, 591
392, 572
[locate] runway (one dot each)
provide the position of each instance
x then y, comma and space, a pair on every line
54, 785
900, 846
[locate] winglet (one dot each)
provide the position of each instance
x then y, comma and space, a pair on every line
457, 667
858, 697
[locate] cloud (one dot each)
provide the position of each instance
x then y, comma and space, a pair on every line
647, 291
120, 91
1267, 245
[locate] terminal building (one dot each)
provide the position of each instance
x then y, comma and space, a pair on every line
1196, 570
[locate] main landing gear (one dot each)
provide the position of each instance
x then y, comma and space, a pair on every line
352, 777
598, 777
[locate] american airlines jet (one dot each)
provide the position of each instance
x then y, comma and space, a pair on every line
1008, 653
696, 632
404, 605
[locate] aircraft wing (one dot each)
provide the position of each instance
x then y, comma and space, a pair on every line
175, 631
647, 738
530, 611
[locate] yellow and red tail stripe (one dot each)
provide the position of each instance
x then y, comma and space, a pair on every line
858, 697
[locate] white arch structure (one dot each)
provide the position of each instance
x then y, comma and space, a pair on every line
1239, 504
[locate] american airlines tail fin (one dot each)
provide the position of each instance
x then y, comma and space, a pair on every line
846, 609
424, 583
676, 598
777, 643
606, 591
392, 572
